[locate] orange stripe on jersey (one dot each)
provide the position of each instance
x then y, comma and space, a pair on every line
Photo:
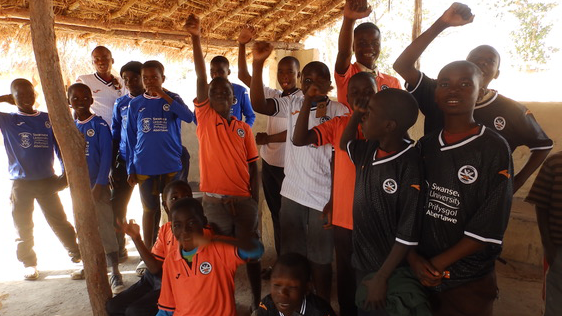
262, 305
296, 112
528, 112
416, 186
505, 173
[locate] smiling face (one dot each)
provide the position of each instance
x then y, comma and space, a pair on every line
102, 60
459, 85
367, 46
133, 82
80, 100
24, 95
185, 226
287, 74
488, 60
221, 96
287, 291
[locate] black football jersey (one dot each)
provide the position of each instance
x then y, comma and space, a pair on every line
512, 120
387, 202
312, 305
469, 192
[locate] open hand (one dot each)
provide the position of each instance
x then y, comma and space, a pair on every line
193, 25
319, 89
246, 34
261, 50
356, 9
458, 14
131, 228
327, 214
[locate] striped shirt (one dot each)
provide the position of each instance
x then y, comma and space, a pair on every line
546, 194
104, 93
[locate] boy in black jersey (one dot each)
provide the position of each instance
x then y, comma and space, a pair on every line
468, 169
387, 191
509, 118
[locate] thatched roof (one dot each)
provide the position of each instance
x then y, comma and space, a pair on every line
160, 22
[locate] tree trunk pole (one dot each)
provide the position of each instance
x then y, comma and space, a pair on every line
72, 147
416, 27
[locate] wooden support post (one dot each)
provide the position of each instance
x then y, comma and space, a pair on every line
72, 148
416, 26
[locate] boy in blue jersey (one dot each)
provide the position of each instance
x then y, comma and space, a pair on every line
154, 143
30, 143
121, 190
98, 156
220, 67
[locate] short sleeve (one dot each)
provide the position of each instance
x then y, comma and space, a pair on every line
283, 106
542, 190
424, 93
202, 109
167, 301
270, 93
160, 250
530, 132
411, 202
250, 143
356, 150
326, 132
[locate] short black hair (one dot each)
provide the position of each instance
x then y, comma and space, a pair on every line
76, 86
366, 26
173, 184
154, 64
319, 67
220, 60
217, 79
132, 66
363, 75
298, 265
291, 59
488, 47
399, 106
100, 47
19, 81
192, 206
461, 63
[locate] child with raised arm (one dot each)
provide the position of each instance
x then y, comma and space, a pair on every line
273, 141
30, 145
365, 43
98, 156
227, 159
468, 170
154, 143
510, 119
387, 198
307, 180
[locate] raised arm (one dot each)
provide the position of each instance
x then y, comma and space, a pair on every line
8, 98
352, 11
260, 51
350, 131
302, 135
193, 26
458, 14
246, 34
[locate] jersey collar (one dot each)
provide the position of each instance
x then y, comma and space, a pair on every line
461, 143
86, 120
488, 102
107, 83
364, 68
297, 90
302, 310
393, 156
28, 114
148, 96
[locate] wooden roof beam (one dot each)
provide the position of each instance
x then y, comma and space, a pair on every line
289, 17
239, 9
123, 9
306, 20
271, 11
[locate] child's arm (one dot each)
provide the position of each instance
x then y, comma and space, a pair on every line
131, 144
264, 138
543, 217
260, 51
246, 34
132, 229
465, 247
246, 108
193, 26
106, 159
8, 98
352, 11
254, 180
458, 14
535, 160
350, 131
116, 121
302, 135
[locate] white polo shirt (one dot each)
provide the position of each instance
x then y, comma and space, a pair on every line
104, 93
307, 168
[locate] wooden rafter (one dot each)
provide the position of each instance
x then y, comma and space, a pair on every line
219, 4
167, 14
239, 9
305, 20
123, 9
270, 12
273, 24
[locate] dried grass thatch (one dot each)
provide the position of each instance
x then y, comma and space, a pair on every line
157, 25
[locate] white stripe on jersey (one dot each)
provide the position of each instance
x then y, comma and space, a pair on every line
490, 240
445, 147
407, 243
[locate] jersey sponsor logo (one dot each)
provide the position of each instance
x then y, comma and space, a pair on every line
324, 119
389, 186
25, 139
205, 267
90, 133
499, 123
166, 107
241, 132
48, 124
384, 87
146, 125
467, 174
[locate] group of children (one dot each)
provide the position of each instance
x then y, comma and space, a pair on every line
416, 227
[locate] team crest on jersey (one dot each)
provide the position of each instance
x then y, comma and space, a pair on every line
205, 267
389, 186
499, 123
90, 133
48, 124
25, 140
324, 119
467, 174
241, 132
384, 87
146, 125
166, 107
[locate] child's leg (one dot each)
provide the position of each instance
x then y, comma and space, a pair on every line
272, 178
346, 284
54, 213
107, 232
120, 196
219, 215
139, 300
554, 286
23, 193
320, 247
293, 219
184, 164
150, 199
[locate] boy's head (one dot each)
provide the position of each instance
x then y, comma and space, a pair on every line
390, 112
290, 282
220, 67
174, 191
23, 94
488, 60
102, 59
80, 99
367, 43
221, 96
288, 72
188, 220
131, 74
152, 73
314, 72
459, 86
361, 85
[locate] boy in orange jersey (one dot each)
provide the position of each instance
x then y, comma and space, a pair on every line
365, 42
227, 159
